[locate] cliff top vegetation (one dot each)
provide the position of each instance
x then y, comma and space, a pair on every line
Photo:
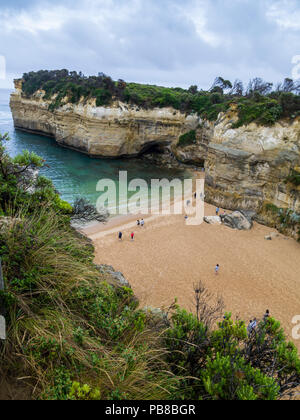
260, 102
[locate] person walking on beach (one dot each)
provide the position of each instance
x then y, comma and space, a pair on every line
132, 236
217, 269
249, 328
120, 236
138, 223
217, 211
142, 223
266, 315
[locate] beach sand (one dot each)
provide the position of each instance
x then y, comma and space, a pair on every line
168, 257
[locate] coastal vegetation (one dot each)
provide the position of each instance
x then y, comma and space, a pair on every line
260, 102
294, 178
187, 139
74, 333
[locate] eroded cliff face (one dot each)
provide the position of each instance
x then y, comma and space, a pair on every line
119, 130
245, 167
249, 166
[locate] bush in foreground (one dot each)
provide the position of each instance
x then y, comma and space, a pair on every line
73, 333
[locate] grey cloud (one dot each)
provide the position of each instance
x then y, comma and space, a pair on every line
153, 41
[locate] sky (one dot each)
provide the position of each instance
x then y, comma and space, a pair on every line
165, 42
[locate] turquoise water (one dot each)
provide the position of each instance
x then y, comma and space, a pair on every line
75, 174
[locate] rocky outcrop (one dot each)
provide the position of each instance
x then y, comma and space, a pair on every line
116, 276
120, 130
237, 220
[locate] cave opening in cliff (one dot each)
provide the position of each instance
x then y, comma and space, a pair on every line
153, 148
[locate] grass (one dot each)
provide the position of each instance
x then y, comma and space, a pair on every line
75, 335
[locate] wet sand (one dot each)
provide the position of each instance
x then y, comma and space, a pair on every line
168, 257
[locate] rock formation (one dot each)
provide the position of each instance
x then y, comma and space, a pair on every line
237, 220
120, 130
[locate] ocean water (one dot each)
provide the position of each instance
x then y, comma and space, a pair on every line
75, 174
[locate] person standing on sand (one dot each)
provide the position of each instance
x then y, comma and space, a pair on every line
266, 315
142, 223
138, 223
254, 324
120, 236
132, 236
217, 269
249, 328
217, 211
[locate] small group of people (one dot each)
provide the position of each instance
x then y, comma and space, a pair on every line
253, 323
120, 236
132, 235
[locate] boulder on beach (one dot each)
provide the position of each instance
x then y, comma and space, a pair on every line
213, 220
238, 220
272, 236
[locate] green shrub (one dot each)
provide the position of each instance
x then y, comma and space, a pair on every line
228, 364
83, 393
187, 139
264, 111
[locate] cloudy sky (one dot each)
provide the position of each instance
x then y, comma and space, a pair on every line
167, 42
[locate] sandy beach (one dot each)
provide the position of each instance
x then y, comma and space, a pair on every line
168, 257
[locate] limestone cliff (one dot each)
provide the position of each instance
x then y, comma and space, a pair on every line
246, 167
118, 130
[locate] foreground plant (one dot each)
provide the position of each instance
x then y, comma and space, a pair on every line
225, 362
74, 333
